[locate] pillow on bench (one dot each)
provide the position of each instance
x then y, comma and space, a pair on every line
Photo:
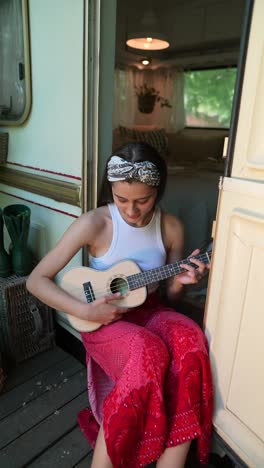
195, 145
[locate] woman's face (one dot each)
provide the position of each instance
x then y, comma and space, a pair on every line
135, 201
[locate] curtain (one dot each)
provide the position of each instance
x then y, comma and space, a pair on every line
12, 88
170, 85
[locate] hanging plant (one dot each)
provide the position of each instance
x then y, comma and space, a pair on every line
147, 98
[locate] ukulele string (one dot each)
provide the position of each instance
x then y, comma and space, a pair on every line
119, 283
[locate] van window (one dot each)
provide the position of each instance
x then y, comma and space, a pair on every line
15, 94
208, 97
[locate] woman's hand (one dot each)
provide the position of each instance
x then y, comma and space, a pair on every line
103, 310
192, 275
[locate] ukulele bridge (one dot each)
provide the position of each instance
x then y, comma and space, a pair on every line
88, 291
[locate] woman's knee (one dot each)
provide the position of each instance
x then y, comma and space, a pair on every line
174, 327
151, 345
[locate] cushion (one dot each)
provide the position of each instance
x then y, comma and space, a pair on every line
155, 138
195, 145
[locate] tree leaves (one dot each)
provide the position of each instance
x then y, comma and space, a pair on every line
208, 95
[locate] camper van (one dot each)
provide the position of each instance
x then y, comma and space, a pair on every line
75, 84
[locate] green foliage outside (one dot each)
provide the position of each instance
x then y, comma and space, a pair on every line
208, 96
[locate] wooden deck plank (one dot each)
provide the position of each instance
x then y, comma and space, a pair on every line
37, 410
28, 369
34, 442
85, 462
64, 454
39, 384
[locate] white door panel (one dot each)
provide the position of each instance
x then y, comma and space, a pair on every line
245, 394
235, 319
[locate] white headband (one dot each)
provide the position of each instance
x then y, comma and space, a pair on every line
119, 169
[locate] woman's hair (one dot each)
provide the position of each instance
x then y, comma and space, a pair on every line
134, 152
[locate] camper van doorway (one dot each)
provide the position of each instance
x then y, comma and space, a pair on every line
196, 76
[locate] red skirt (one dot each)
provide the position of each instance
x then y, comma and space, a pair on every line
150, 384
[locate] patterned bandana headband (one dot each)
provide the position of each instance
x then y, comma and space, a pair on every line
119, 169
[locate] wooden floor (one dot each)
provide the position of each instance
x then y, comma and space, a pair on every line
38, 408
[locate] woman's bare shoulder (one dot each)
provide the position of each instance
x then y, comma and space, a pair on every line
94, 221
95, 218
172, 230
169, 221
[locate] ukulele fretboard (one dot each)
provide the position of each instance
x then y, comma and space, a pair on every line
144, 278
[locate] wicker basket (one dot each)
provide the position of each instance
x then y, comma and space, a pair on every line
3, 147
26, 324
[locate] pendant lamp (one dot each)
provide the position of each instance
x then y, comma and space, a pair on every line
148, 37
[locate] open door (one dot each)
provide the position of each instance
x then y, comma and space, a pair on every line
234, 312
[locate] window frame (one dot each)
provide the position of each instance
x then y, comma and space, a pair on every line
27, 69
220, 67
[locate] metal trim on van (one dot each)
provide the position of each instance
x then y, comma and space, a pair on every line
62, 191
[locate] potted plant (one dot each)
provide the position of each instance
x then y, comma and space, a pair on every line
147, 98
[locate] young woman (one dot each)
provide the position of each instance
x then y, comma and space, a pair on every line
149, 378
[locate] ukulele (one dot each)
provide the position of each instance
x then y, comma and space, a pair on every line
87, 284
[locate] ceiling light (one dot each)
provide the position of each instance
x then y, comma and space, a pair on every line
151, 38
140, 41
145, 61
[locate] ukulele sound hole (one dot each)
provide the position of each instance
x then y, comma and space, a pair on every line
119, 285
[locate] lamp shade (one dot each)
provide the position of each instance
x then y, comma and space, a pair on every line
139, 40
149, 38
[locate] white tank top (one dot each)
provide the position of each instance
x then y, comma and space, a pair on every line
143, 245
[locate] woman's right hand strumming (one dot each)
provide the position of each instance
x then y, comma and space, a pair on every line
103, 311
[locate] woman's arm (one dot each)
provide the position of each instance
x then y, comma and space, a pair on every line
174, 241
173, 238
41, 281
